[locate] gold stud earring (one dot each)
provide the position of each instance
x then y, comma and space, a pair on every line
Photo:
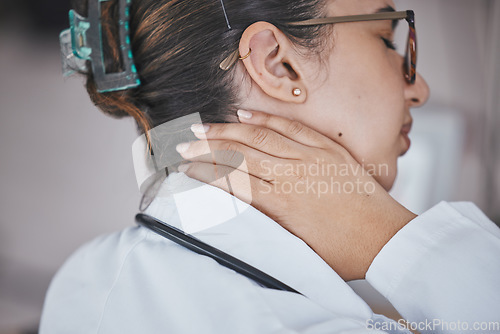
296, 92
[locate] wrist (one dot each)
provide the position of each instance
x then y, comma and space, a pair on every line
382, 231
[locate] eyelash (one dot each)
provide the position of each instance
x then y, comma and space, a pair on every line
389, 44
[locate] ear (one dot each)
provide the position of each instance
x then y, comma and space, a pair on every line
272, 63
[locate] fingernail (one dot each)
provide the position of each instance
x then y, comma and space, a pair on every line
200, 128
182, 147
245, 114
183, 168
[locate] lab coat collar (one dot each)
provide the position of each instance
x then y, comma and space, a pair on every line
225, 222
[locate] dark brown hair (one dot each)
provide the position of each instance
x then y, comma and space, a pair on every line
178, 46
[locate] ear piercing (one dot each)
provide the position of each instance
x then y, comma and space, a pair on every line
245, 56
296, 92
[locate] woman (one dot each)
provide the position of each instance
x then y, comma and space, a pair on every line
349, 88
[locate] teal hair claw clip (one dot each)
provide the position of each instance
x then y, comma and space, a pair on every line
82, 43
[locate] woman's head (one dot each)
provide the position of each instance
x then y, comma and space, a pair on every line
352, 85
355, 94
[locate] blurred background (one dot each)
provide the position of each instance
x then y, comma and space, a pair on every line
66, 171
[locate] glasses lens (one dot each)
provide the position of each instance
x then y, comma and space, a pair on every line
404, 46
407, 61
411, 55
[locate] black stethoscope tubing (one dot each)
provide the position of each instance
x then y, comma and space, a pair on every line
202, 248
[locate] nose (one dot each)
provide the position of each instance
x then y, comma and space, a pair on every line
418, 93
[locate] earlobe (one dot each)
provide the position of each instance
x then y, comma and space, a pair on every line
272, 62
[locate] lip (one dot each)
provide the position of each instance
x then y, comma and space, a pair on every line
408, 143
405, 130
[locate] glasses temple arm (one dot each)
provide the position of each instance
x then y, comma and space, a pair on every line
230, 60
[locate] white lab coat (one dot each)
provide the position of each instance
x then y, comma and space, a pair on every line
443, 265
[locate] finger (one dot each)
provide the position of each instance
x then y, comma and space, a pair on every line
256, 137
237, 156
248, 188
288, 128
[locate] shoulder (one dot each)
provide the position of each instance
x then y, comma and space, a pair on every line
80, 291
136, 281
105, 256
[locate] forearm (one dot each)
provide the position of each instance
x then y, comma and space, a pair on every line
444, 266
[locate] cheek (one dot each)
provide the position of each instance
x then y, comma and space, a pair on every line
370, 138
376, 139
363, 100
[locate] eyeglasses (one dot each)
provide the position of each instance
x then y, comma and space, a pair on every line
410, 57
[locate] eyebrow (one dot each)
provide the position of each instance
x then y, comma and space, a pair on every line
389, 9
